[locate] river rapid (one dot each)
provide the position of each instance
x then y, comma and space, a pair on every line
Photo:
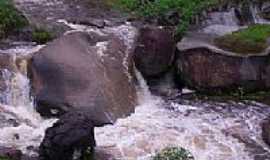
209, 130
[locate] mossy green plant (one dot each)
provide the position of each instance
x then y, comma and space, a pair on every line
42, 36
10, 18
173, 153
253, 39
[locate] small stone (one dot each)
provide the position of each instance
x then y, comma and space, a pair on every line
199, 142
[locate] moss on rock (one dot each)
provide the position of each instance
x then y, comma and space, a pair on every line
253, 39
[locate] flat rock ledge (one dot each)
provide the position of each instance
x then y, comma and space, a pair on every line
205, 67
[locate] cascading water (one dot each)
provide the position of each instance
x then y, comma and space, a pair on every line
204, 129
209, 130
226, 21
21, 126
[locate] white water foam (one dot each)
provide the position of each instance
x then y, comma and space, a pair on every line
153, 127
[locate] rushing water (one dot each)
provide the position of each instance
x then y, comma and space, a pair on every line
226, 21
21, 126
206, 130
209, 130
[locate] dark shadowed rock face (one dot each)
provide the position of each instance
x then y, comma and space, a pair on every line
154, 52
205, 70
266, 132
73, 133
83, 71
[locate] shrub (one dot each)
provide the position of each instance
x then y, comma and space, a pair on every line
173, 153
10, 19
249, 40
186, 9
41, 36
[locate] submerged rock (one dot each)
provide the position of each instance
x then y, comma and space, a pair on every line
84, 72
154, 52
71, 136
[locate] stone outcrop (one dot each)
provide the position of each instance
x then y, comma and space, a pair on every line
154, 52
207, 68
84, 72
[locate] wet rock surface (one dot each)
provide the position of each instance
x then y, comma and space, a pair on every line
72, 133
84, 71
154, 52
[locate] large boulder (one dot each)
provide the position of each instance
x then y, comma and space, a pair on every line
84, 71
208, 68
71, 136
154, 52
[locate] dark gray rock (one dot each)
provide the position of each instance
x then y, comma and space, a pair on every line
86, 72
155, 49
72, 134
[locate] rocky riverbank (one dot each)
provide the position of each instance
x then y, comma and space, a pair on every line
118, 87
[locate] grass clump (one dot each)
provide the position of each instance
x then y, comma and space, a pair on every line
42, 36
185, 9
173, 153
249, 40
4, 158
10, 19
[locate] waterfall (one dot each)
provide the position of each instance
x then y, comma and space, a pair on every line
24, 128
226, 21
255, 11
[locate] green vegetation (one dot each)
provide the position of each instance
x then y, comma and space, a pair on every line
42, 36
10, 19
185, 9
4, 158
250, 40
173, 153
